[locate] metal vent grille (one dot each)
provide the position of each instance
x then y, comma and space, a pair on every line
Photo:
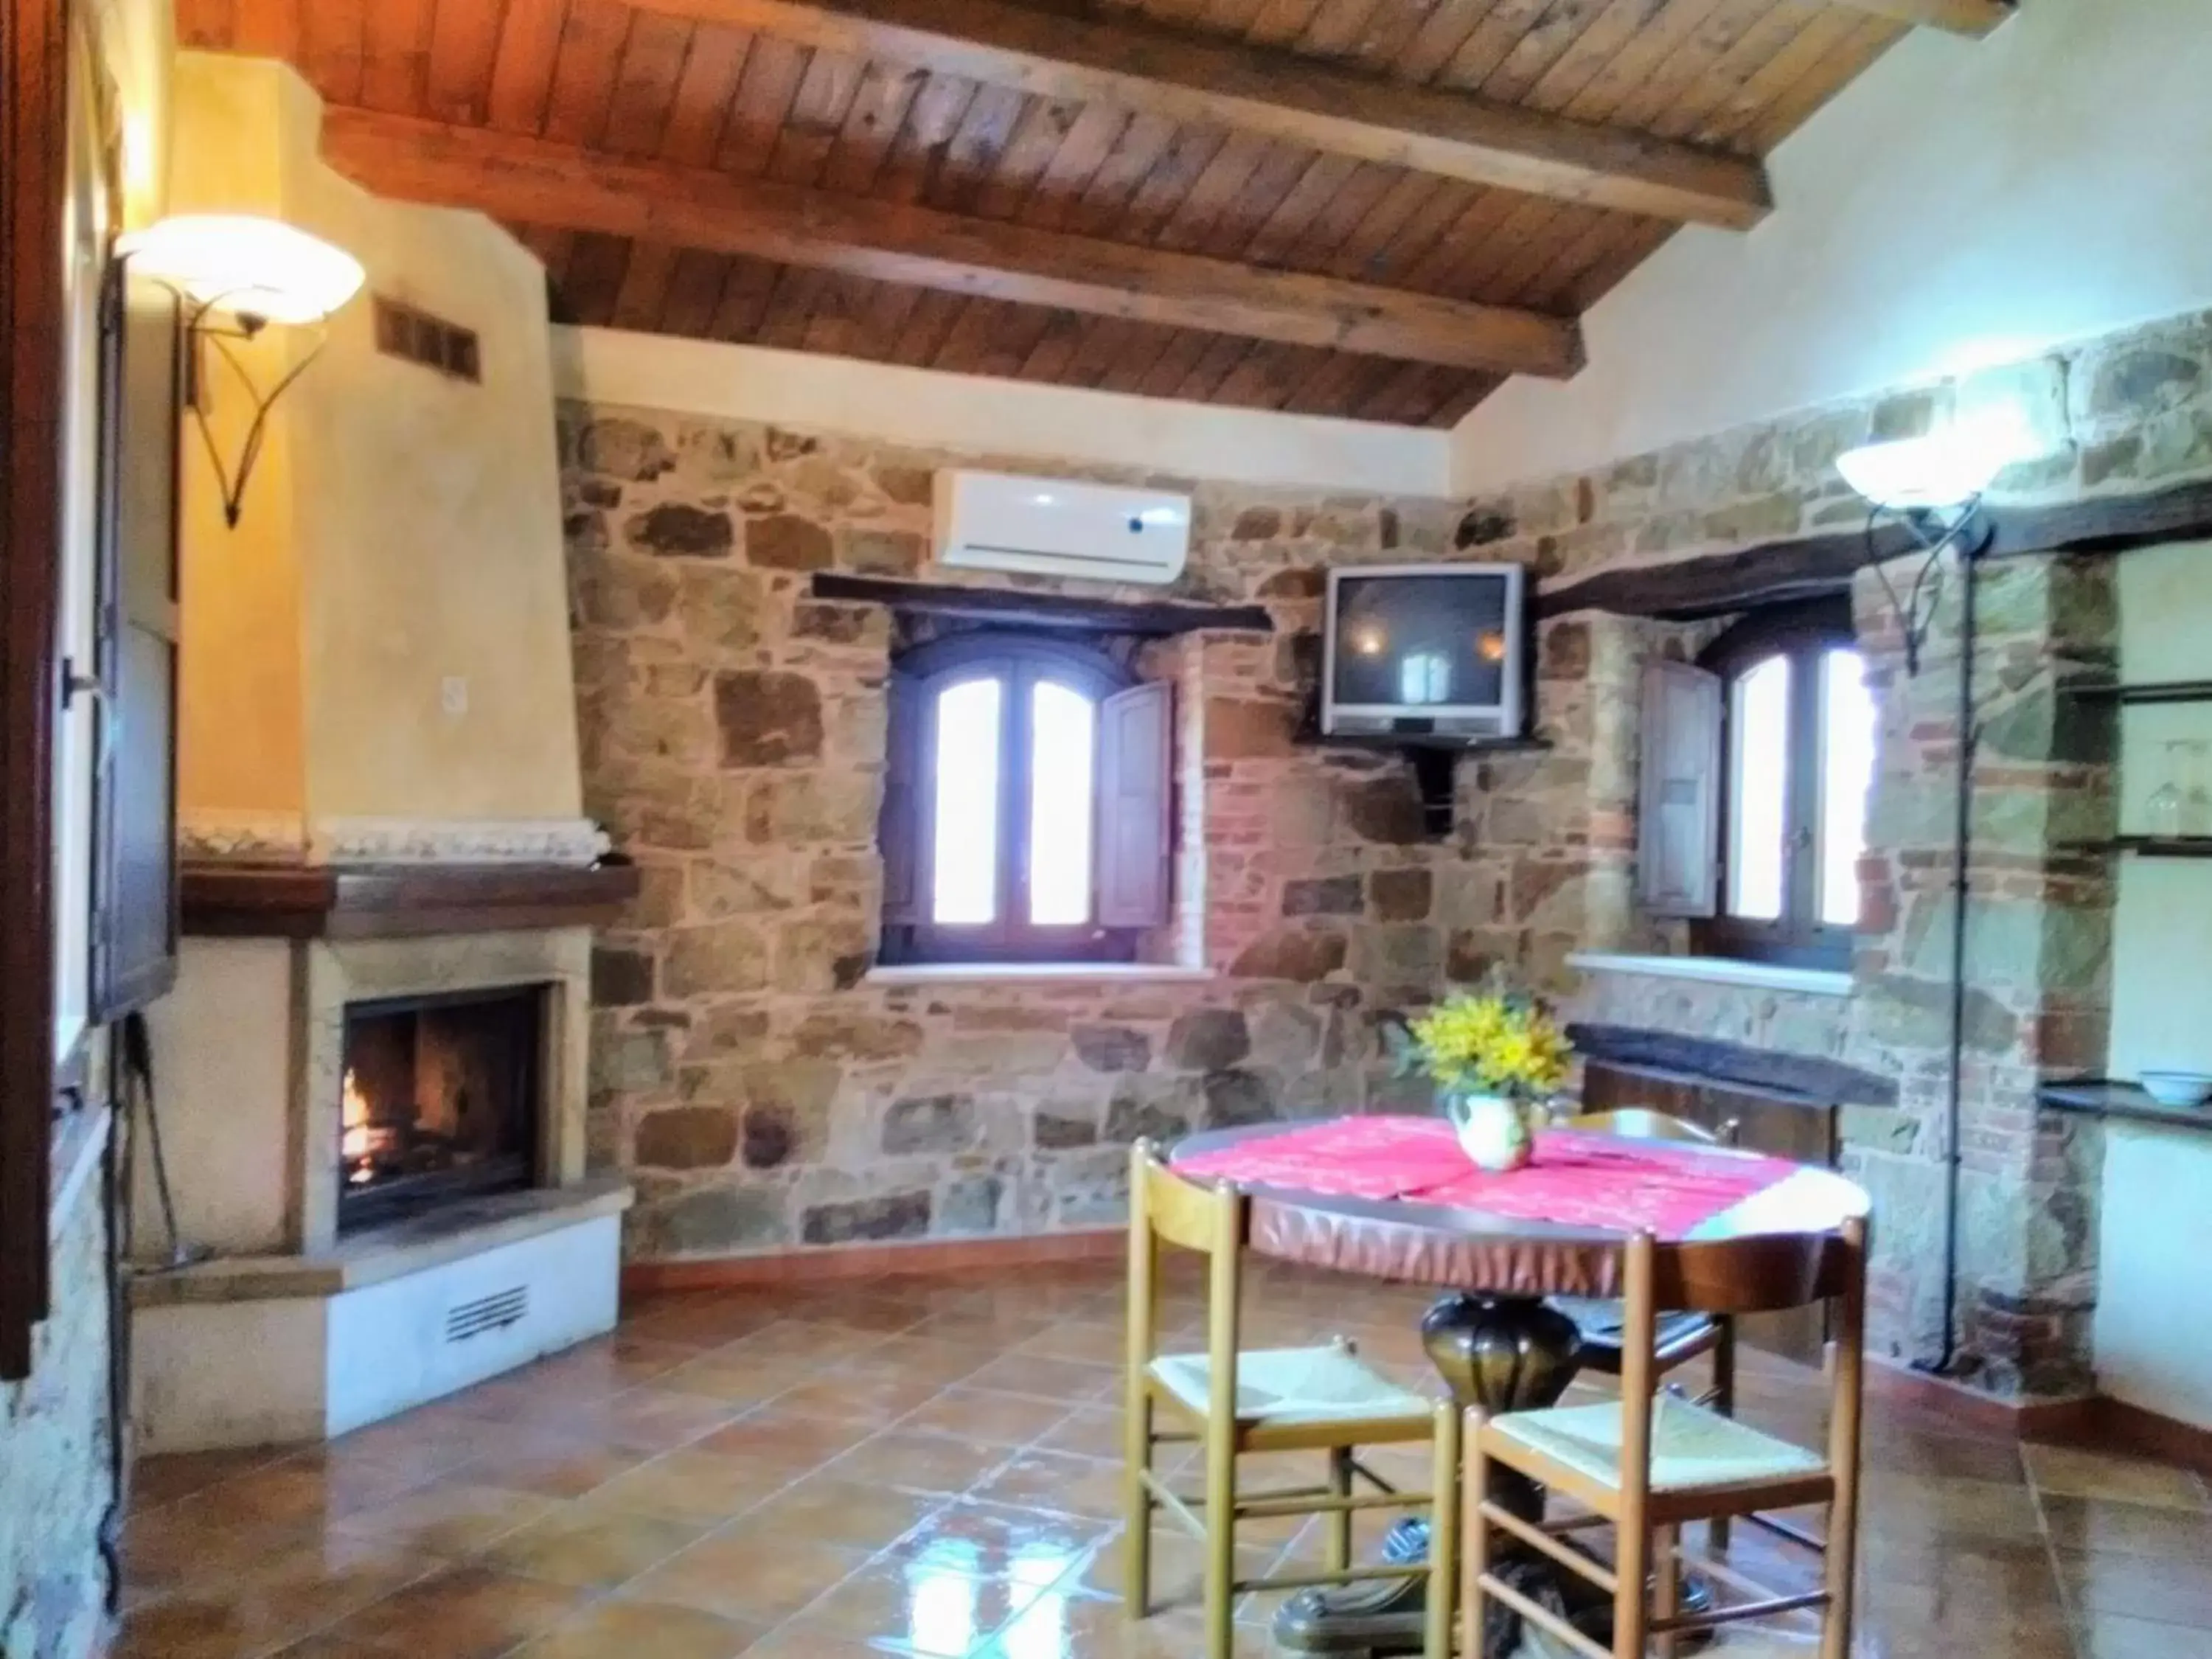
487, 1313
404, 332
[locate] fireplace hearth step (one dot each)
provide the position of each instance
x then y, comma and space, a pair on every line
451, 1233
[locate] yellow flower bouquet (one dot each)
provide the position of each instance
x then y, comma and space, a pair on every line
1496, 1056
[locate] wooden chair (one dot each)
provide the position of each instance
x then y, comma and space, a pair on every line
1648, 1465
1232, 1402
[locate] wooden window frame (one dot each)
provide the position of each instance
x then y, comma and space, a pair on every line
1021, 660
1802, 634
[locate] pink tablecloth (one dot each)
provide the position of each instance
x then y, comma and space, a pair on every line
1576, 1179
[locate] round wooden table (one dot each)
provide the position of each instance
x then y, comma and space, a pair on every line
1494, 1339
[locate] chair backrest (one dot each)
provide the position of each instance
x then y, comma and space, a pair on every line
1642, 1123
1209, 1219
1740, 1273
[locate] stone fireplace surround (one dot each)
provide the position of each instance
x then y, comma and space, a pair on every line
279, 1329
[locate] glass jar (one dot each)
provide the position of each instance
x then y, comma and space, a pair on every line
2196, 788
2167, 811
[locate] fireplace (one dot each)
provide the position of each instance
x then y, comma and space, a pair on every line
440, 1100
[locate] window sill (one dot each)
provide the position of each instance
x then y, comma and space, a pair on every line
1718, 971
1037, 973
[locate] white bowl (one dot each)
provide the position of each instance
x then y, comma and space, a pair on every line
2178, 1088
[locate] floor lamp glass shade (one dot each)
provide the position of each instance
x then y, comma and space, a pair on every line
247, 265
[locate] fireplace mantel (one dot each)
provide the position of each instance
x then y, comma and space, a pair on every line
228, 900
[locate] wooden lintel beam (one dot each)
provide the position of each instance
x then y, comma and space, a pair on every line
532, 181
1183, 77
1959, 16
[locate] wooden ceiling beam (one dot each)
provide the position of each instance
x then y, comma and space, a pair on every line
1959, 16
532, 181
1188, 78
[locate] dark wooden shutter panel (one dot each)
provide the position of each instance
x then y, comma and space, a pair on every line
134, 931
898, 827
1678, 817
1136, 832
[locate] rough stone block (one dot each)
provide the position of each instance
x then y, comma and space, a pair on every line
711, 1221
1400, 895
785, 541
1207, 1039
890, 1215
1290, 953
675, 530
1236, 1097
767, 717
687, 1138
620, 978
1111, 1048
930, 1123
1332, 896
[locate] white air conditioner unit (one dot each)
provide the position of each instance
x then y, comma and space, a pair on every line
1049, 527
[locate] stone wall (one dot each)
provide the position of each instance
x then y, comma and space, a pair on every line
760, 1089
54, 1458
2119, 416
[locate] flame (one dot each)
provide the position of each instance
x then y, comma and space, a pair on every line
358, 1140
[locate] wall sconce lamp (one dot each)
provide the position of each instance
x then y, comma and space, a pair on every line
1934, 486
253, 271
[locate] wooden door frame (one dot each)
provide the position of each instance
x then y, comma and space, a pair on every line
33, 134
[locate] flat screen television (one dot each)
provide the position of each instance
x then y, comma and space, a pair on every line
1424, 650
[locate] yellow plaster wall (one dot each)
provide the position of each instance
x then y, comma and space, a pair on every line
401, 530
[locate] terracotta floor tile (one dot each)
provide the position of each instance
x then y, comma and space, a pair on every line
2065, 1471
855, 1394
2168, 1592
2091, 1524
1058, 1628
1091, 1344
298, 1489
1040, 1480
1087, 1431
462, 1612
1047, 1379
2111, 1636
324, 1645
749, 1572
846, 1512
561, 1466
163, 1480
1001, 1420
920, 1607
449, 1518
995, 1541
586, 1547
741, 1379
625, 1629
912, 1460
699, 1486
266, 1601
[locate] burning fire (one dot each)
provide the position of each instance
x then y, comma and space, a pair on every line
356, 1145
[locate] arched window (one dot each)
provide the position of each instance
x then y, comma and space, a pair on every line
1025, 811
1797, 751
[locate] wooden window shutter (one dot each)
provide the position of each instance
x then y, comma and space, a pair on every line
1135, 832
134, 931
898, 828
1678, 817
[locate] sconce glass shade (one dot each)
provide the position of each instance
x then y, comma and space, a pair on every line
247, 265
1944, 470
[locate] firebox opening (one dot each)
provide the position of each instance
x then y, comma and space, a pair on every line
439, 1101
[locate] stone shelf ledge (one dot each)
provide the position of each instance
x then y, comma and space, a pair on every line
1717, 971
450, 1234
1037, 973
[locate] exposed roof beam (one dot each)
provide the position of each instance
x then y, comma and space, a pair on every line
1189, 78
1959, 16
531, 181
